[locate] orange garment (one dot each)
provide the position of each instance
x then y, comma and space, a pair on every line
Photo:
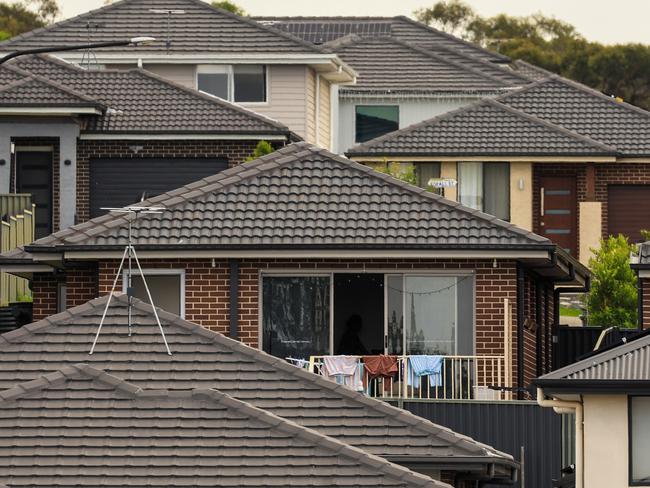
381, 366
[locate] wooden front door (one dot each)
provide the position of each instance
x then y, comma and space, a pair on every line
558, 219
34, 176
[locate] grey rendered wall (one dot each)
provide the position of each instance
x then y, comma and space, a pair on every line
410, 112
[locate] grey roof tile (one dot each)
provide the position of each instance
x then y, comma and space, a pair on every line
205, 359
319, 30
139, 101
201, 29
484, 128
33, 91
301, 196
587, 112
85, 427
529, 70
390, 65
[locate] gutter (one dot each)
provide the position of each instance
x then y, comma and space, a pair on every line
560, 407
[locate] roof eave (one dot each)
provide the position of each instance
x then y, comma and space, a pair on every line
567, 386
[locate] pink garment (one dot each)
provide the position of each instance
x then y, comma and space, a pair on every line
344, 370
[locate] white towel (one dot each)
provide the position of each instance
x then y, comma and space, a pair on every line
345, 370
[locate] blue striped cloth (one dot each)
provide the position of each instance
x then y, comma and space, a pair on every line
423, 365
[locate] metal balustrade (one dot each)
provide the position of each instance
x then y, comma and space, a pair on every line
481, 377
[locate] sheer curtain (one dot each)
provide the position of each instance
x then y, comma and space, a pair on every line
496, 189
470, 185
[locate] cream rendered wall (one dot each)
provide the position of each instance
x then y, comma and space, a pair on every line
605, 441
521, 194
590, 222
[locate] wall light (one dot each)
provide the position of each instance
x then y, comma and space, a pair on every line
521, 183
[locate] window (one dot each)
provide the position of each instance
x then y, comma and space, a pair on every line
485, 187
429, 314
167, 288
639, 431
425, 172
375, 120
241, 83
61, 297
296, 315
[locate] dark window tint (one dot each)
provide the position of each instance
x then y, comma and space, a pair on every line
639, 426
375, 120
214, 84
296, 316
250, 83
165, 291
496, 189
425, 172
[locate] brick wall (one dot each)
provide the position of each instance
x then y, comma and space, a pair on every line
235, 151
646, 302
207, 288
81, 285
606, 174
44, 292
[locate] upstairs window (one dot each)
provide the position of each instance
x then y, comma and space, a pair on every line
240, 83
639, 432
485, 187
375, 120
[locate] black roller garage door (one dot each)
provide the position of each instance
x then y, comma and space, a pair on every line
627, 210
120, 182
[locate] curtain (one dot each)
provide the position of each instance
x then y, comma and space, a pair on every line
470, 185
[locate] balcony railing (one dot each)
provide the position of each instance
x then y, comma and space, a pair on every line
16, 229
454, 378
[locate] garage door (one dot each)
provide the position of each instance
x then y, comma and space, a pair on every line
120, 182
627, 210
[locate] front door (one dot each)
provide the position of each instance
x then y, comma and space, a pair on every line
558, 219
34, 176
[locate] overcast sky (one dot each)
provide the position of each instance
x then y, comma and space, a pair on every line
598, 20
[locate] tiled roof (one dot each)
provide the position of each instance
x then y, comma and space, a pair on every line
587, 112
320, 30
32, 91
530, 70
200, 29
483, 128
205, 359
138, 101
389, 65
300, 197
627, 362
83, 427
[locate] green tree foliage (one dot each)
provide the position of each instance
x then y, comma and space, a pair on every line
612, 300
19, 17
230, 7
404, 172
262, 149
621, 70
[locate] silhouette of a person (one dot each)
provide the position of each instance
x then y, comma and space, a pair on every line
350, 343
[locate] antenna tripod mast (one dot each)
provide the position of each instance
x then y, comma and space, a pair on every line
129, 255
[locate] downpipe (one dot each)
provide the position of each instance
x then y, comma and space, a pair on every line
567, 407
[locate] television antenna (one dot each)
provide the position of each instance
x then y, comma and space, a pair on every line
168, 13
89, 55
133, 211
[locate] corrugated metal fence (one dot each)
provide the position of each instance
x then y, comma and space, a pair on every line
16, 229
572, 343
511, 426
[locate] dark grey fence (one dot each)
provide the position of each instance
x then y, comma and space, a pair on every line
514, 427
570, 344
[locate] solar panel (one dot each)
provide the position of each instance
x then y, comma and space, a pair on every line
319, 32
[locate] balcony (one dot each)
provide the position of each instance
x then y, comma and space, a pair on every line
453, 377
17, 227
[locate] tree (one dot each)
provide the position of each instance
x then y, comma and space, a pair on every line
621, 70
404, 172
612, 300
262, 149
19, 17
230, 7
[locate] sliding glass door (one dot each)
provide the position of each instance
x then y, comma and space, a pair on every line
296, 315
430, 314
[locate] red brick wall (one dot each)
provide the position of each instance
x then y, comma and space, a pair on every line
606, 174
235, 151
81, 285
44, 292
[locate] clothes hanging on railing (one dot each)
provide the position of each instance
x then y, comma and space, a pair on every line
301, 363
380, 366
345, 370
425, 365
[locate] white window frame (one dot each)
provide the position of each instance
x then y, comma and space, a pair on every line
160, 272
228, 69
329, 272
